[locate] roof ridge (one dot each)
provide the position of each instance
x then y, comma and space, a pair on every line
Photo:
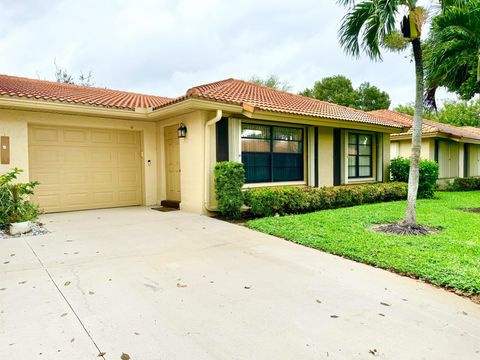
195, 90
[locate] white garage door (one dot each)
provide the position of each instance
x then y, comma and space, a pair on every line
80, 168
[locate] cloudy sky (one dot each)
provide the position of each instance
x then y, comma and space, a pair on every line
163, 47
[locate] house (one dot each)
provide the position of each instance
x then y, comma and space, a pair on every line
456, 149
96, 148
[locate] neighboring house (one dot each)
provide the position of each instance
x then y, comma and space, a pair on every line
96, 148
456, 149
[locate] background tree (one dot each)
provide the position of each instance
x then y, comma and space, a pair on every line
271, 81
372, 98
62, 75
458, 113
371, 23
336, 89
409, 109
452, 53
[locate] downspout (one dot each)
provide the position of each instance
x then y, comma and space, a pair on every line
206, 151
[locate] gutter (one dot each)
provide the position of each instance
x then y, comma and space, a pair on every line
206, 153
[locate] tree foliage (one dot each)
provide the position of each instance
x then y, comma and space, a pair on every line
372, 98
62, 75
271, 81
365, 28
458, 113
339, 90
452, 53
409, 109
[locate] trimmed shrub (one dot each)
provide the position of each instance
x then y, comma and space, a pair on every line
229, 180
429, 172
464, 184
294, 200
14, 206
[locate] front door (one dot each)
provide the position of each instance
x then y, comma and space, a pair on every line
172, 161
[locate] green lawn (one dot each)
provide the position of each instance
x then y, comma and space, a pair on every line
450, 258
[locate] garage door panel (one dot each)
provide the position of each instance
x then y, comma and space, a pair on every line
76, 156
75, 136
43, 155
129, 177
106, 197
76, 178
81, 168
45, 134
104, 156
48, 200
127, 138
127, 157
106, 178
77, 198
127, 196
102, 137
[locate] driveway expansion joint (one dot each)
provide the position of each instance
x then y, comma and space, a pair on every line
101, 354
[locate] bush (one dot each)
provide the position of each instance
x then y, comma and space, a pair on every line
400, 168
229, 180
464, 184
14, 206
294, 200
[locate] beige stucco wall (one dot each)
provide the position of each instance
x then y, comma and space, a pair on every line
403, 148
386, 156
192, 178
16, 129
325, 156
14, 123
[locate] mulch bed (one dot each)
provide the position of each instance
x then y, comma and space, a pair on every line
402, 229
471, 210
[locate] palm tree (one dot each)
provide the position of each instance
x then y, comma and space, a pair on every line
452, 53
367, 26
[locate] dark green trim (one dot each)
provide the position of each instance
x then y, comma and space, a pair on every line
337, 157
221, 133
315, 164
436, 149
269, 169
357, 165
466, 159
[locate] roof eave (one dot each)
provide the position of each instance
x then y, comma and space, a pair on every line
318, 120
15, 103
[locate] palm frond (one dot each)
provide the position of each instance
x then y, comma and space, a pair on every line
366, 25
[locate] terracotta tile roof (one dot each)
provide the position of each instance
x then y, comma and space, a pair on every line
259, 97
472, 129
12, 86
428, 126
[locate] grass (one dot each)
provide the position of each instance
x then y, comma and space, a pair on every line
450, 258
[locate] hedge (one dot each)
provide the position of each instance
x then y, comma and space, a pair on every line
294, 200
464, 184
429, 172
229, 180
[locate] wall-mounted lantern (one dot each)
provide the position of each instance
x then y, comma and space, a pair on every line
182, 131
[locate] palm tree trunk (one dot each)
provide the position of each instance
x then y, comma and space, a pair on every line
413, 179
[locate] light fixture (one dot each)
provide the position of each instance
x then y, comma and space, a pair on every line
182, 131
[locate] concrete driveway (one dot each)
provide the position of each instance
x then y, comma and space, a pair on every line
179, 286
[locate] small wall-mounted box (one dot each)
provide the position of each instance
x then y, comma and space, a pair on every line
4, 150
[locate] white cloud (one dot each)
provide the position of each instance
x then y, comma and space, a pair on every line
164, 47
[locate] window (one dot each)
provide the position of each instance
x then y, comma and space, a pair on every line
272, 153
359, 156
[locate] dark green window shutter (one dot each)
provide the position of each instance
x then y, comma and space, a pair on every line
221, 128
